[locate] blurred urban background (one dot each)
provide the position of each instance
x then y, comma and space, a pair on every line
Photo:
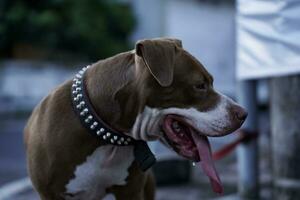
43, 43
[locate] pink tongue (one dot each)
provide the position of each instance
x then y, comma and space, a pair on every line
206, 162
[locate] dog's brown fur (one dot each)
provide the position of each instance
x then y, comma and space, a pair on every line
160, 74
56, 142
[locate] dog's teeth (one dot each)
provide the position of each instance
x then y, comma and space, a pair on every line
176, 127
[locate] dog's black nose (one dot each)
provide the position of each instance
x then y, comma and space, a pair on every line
240, 113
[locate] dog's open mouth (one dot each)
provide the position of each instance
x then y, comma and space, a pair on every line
191, 144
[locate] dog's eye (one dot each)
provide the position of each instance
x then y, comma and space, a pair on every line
201, 87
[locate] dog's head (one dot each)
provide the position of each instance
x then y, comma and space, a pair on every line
177, 97
177, 102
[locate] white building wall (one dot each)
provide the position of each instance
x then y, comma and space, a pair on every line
206, 30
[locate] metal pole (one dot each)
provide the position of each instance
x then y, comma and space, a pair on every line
247, 152
285, 122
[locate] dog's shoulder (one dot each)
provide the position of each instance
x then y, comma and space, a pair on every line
57, 102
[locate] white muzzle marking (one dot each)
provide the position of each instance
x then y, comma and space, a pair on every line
211, 123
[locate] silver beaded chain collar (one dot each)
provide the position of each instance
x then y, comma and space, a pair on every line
93, 123
89, 118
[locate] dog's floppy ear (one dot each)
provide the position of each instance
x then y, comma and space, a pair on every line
159, 56
176, 41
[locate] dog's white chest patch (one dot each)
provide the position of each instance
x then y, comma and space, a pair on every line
106, 166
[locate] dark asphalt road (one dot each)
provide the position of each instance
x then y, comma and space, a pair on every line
12, 152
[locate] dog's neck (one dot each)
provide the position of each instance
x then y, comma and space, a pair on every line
142, 153
112, 92
90, 118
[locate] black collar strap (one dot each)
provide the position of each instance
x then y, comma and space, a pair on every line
93, 123
90, 119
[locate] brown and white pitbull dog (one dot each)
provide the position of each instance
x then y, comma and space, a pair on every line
156, 92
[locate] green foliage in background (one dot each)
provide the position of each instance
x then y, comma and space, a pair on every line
94, 28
